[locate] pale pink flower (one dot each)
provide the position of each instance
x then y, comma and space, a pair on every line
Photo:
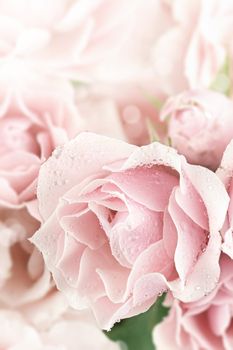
26, 285
37, 113
123, 223
199, 125
16, 334
62, 36
179, 45
191, 52
65, 334
206, 324
78, 331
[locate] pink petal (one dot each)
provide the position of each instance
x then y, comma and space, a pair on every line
168, 335
191, 202
149, 186
191, 240
212, 191
69, 261
169, 234
154, 259
89, 282
80, 158
85, 228
219, 318
137, 231
204, 276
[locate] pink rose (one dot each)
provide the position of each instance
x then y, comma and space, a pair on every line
65, 334
123, 223
63, 36
37, 113
200, 125
26, 284
132, 63
191, 52
206, 324
179, 45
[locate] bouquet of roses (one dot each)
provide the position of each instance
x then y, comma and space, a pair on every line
116, 175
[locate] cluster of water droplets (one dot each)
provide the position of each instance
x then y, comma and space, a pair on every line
57, 152
209, 283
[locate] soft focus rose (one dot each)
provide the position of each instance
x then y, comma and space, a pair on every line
190, 52
206, 324
78, 331
122, 224
62, 36
179, 45
37, 113
200, 125
65, 334
26, 284
16, 334
131, 63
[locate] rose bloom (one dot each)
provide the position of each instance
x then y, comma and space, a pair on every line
37, 113
199, 125
207, 324
62, 36
194, 49
65, 334
123, 223
26, 285
180, 45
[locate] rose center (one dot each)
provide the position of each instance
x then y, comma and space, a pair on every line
16, 135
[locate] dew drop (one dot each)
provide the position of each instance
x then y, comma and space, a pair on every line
57, 172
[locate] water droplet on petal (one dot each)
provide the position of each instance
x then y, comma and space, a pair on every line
57, 152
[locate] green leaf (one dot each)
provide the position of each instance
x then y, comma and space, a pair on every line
222, 81
154, 101
78, 83
135, 333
